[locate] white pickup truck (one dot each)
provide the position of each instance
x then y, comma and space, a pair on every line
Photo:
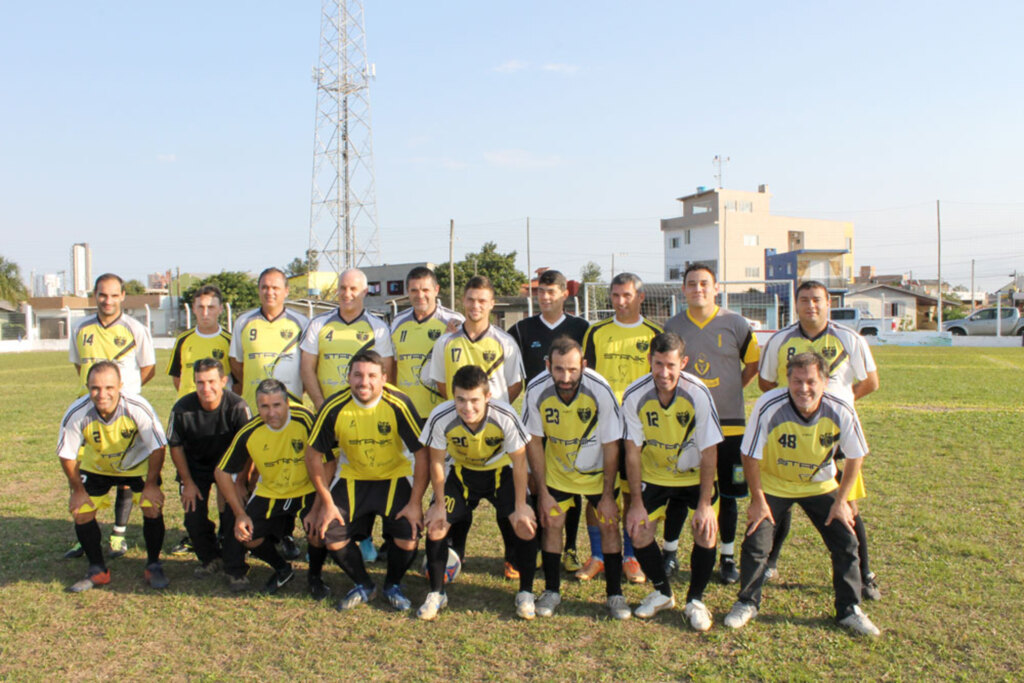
855, 318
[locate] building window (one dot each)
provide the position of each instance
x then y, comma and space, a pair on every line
674, 273
673, 242
751, 240
771, 271
752, 271
373, 288
893, 309
686, 237
396, 288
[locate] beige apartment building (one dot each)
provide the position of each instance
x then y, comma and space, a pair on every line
731, 229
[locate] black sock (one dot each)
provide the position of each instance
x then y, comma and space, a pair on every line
526, 560
702, 565
552, 576
91, 538
122, 506
437, 559
862, 540
457, 536
153, 533
508, 538
268, 553
398, 563
728, 516
613, 573
651, 562
572, 522
351, 562
317, 556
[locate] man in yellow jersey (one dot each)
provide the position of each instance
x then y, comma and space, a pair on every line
789, 459
274, 442
723, 353
112, 439
265, 341
206, 340
574, 419
852, 375
617, 349
333, 338
413, 333
672, 436
110, 334
381, 471
486, 442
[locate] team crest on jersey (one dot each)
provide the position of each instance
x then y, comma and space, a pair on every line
362, 336
287, 334
683, 417
384, 427
826, 440
829, 352
584, 414
493, 441
434, 334
120, 341
218, 354
642, 345
702, 365
127, 432
297, 445
489, 356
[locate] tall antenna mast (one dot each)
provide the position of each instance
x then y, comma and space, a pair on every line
343, 212
718, 162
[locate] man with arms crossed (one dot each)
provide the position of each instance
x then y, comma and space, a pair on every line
672, 435
789, 458
487, 444
572, 414
723, 353
202, 425
852, 375
112, 439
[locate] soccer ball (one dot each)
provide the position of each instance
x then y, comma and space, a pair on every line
451, 570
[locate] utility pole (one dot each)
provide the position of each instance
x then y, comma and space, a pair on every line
529, 272
451, 264
938, 227
972, 286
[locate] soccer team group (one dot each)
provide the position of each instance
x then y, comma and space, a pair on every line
624, 422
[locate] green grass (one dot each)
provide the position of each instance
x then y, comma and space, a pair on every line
943, 514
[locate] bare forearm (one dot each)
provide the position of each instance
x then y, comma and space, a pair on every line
520, 475
420, 475
708, 470
634, 468
181, 464
227, 488
156, 465
611, 466
73, 474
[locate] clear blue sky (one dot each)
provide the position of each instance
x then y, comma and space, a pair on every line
180, 134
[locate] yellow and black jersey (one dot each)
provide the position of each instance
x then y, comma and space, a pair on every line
268, 349
671, 437
413, 341
718, 350
373, 441
278, 454
125, 341
335, 340
191, 346
494, 351
574, 431
848, 355
797, 454
118, 446
485, 448
619, 352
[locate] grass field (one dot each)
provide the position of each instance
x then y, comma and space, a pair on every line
944, 517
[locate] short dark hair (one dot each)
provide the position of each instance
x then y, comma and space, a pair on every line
479, 282
419, 273
667, 342
367, 356
268, 271
699, 266
104, 278
563, 345
101, 365
627, 279
553, 277
205, 364
808, 359
272, 386
469, 377
811, 284
209, 290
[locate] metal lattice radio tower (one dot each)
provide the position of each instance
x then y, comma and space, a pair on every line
343, 214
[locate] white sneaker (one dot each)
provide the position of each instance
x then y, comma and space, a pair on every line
618, 608
770, 573
654, 603
740, 614
433, 604
547, 603
525, 608
859, 623
699, 615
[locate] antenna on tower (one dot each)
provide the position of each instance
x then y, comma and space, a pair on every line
718, 162
343, 212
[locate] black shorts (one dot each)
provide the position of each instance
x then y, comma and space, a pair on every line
731, 481
567, 500
657, 497
275, 517
360, 502
100, 484
465, 488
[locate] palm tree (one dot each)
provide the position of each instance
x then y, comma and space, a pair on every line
12, 289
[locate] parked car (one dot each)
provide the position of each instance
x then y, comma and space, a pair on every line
856, 318
983, 322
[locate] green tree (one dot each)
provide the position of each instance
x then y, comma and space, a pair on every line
134, 287
301, 266
238, 289
12, 289
500, 268
590, 272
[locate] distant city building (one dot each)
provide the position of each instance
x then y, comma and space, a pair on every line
81, 269
48, 285
158, 280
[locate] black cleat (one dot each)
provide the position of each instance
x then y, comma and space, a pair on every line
671, 563
279, 578
727, 571
318, 590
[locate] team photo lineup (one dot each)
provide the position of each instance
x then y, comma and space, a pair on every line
327, 425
